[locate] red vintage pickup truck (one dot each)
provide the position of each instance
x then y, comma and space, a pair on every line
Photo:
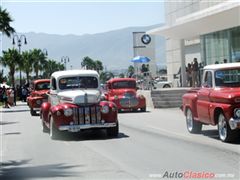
38, 95
216, 102
123, 92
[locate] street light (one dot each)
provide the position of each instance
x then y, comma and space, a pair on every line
45, 52
64, 60
19, 44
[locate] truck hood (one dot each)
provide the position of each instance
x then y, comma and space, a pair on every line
226, 94
123, 92
79, 96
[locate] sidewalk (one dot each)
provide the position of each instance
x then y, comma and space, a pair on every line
20, 107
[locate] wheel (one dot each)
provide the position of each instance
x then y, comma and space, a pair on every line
44, 127
33, 113
54, 132
192, 125
143, 109
113, 131
224, 131
166, 86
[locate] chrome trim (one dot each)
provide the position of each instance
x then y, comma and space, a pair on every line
36, 109
233, 123
77, 128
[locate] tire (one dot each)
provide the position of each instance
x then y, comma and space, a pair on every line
166, 86
224, 131
33, 113
143, 109
53, 131
113, 131
193, 126
44, 127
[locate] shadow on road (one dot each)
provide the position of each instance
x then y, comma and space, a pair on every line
213, 133
18, 170
123, 112
7, 122
12, 133
13, 110
89, 136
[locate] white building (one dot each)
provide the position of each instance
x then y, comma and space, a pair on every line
207, 30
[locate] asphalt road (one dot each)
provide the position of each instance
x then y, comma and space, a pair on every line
150, 145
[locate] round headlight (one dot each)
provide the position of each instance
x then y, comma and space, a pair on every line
237, 113
68, 112
105, 109
38, 102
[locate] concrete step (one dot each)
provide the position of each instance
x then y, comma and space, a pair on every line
168, 98
167, 95
166, 105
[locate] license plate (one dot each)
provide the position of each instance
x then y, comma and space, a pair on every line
74, 128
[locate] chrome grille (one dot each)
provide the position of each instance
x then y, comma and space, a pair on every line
87, 115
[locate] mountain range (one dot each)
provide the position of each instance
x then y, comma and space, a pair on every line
113, 48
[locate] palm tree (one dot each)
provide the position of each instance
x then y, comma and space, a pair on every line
50, 67
88, 63
5, 20
27, 62
39, 59
105, 76
98, 65
11, 58
130, 71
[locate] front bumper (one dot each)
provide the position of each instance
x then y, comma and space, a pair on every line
36, 109
77, 128
234, 123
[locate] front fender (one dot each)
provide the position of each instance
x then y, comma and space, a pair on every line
45, 108
112, 115
227, 109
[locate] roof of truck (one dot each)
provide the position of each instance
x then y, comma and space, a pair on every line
222, 66
70, 73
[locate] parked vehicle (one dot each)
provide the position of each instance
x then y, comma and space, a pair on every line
159, 83
75, 105
217, 102
38, 95
123, 92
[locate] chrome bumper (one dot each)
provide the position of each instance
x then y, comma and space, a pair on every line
36, 109
234, 123
77, 128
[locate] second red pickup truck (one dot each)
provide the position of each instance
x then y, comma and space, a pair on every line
216, 102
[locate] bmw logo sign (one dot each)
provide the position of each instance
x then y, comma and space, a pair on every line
146, 39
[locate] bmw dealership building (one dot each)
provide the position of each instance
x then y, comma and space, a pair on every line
206, 30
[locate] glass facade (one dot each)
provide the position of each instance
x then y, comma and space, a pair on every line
221, 45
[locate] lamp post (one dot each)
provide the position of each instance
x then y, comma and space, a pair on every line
64, 60
19, 44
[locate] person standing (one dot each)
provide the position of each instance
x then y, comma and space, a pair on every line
189, 75
195, 73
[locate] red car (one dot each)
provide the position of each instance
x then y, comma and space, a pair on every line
217, 102
123, 92
38, 95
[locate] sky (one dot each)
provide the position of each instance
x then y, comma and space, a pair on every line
82, 17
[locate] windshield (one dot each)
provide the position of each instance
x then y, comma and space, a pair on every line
42, 86
78, 82
124, 84
228, 78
